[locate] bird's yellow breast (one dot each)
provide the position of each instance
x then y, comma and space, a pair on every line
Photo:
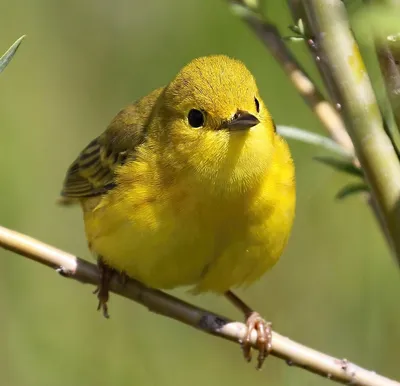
169, 232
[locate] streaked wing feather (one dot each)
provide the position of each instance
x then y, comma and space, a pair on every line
93, 172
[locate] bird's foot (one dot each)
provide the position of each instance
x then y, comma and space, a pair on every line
254, 321
102, 289
123, 278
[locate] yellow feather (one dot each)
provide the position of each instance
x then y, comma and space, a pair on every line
210, 206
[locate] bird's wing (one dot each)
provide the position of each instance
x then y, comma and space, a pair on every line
93, 172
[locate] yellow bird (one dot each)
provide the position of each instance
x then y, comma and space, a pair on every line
190, 186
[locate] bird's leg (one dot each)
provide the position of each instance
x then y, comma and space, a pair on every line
102, 289
254, 321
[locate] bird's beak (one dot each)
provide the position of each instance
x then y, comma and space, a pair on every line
242, 120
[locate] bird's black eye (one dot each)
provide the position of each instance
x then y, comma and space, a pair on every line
196, 118
257, 105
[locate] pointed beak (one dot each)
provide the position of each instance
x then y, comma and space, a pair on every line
242, 120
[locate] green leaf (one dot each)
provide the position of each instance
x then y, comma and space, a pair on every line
340, 165
293, 38
295, 29
6, 58
313, 139
298, 28
351, 189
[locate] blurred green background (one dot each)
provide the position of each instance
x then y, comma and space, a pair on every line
336, 288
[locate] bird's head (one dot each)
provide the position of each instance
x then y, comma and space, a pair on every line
216, 123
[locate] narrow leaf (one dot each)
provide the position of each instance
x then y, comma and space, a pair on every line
313, 139
6, 58
340, 165
351, 189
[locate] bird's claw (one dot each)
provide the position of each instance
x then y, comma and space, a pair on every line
102, 289
264, 338
102, 295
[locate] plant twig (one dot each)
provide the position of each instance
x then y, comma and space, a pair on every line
389, 61
377, 24
270, 37
339, 53
293, 353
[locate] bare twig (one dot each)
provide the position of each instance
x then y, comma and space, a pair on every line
269, 35
293, 353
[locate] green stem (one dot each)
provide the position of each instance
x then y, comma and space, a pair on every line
329, 24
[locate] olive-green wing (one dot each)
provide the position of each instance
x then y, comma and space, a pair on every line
93, 172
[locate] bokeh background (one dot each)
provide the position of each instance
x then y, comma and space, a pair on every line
335, 289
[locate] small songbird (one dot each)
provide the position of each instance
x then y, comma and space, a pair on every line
189, 186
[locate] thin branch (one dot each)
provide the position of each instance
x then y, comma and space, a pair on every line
299, 13
270, 37
375, 22
339, 53
293, 353
389, 61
